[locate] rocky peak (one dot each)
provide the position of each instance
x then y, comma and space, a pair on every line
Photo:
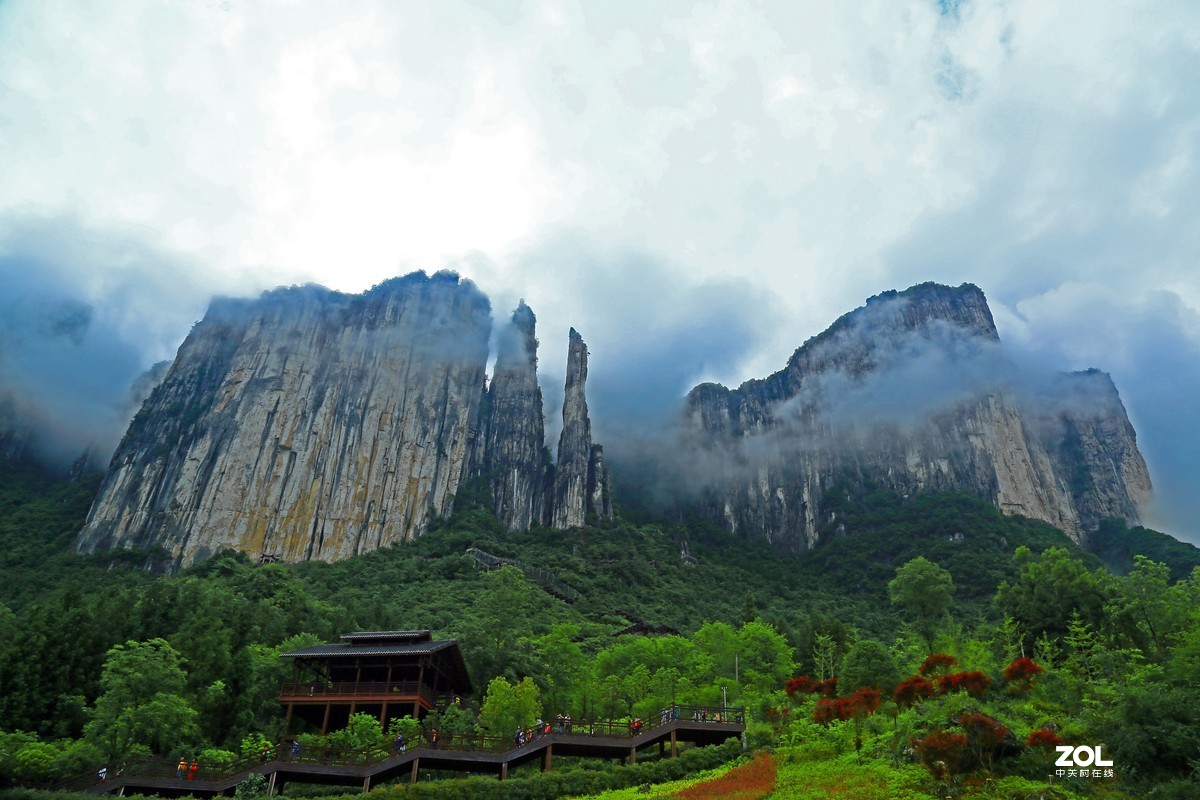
579, 475
901, 393
513, 456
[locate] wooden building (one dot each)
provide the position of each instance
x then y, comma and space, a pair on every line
384, 673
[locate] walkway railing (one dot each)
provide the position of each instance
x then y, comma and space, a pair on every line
165, 768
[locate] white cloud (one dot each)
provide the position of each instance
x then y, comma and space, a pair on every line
813, 152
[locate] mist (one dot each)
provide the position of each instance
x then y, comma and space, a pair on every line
83, 316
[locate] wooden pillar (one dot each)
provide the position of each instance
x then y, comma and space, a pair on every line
632, 756
271, 785
420, 683
287, 723
503, 770
325, 722
366, 784
413, 779
674, 748
546, 758
383, 716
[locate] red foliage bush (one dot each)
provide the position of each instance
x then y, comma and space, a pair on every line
826, 711
863, 702
938, 662
1020, 674
1043, 737
826, 688
909, 690
973, 683
941, 752
988, 732
985, 736
798, 686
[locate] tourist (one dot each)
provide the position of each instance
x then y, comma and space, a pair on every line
295, 748
182, 768
398, 746
102, 774
192, 770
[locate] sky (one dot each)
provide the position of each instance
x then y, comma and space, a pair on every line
696, 187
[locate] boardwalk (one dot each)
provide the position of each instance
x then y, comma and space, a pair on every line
487, 755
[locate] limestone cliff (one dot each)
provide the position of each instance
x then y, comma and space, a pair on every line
514, 456
912, 393
306, 424
580, 482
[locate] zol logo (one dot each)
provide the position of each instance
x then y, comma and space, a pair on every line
1081, 756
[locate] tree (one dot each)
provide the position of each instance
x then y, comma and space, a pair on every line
507, 707
1049, 589
924, 590
141, 704
869, 663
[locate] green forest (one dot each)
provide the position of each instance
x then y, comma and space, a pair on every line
930, 646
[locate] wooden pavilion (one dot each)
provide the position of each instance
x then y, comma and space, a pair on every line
385, 673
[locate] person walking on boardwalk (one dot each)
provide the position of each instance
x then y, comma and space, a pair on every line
182, 768
192, 769
399, 746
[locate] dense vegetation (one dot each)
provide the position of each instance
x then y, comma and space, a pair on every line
894, 581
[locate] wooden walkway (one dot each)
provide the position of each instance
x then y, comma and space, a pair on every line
158, 776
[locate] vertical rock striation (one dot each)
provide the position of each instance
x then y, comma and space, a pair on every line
911, 393
306, 424
514, 456
580, 481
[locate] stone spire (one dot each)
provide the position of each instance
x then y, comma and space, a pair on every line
580, 481
514, 450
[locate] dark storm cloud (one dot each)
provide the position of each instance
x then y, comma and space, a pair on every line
82, 315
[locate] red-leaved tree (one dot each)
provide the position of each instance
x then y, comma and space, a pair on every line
798, 686
941, 752
936, 664
973, 683
1020, 675
984, 735
910, 690
1043, 737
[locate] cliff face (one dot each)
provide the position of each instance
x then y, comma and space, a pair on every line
513, 457
310, 424
306, 424
580, 481
911, 393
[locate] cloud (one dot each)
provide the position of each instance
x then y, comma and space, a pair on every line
790, 158
82, 315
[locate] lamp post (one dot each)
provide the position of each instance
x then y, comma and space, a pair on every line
724, 701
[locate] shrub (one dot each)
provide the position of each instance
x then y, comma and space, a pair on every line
1043, 737
1020, 674
973, 683
941, 752
910, 690
936, 664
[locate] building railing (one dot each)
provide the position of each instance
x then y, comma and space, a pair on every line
321, 689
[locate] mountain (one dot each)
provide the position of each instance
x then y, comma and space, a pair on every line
911, 393
310, 424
